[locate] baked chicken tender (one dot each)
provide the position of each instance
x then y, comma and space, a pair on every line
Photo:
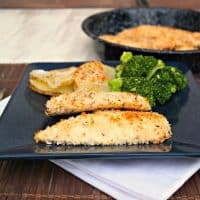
75, 102
108, 128
52, 82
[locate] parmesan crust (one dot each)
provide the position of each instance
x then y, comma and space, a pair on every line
108, 128
76, 102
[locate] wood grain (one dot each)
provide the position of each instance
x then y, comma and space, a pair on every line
194, 4
10, 76
40, 179
66, 3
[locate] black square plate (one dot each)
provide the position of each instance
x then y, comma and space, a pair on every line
24, 115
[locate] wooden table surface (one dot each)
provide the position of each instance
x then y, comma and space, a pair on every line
40, 179
195, 4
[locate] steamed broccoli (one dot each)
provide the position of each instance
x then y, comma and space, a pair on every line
147, 76
162, 90
138, 66
116, 84
125, 57
159, 65
139, 85
118, 71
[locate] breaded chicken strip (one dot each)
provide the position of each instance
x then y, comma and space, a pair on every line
75, 102
108, 128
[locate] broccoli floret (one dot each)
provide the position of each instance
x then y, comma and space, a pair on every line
115, 84
172, 75
162, 90
126, 56
160, 65
178, 77
138, 66
167, 81
139, 85
118, 71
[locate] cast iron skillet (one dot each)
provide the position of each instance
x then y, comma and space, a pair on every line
116, 20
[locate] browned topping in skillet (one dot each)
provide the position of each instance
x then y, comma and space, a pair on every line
156, 37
